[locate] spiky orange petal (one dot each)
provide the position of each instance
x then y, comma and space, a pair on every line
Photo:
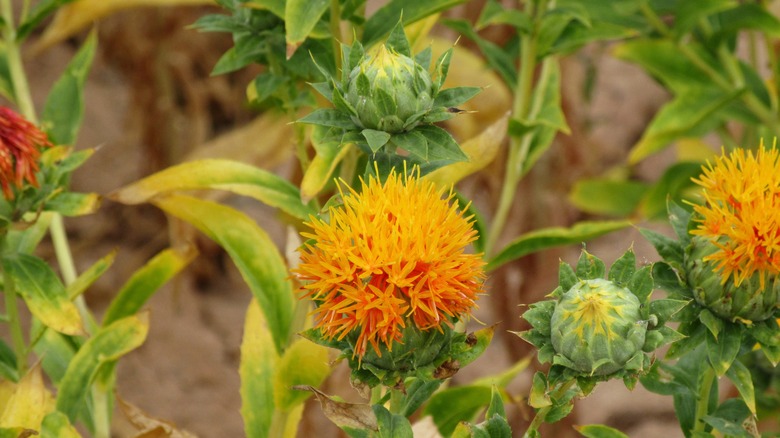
392, 255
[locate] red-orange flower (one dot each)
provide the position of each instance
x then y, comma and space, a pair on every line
392, 255
741, 214
20, 147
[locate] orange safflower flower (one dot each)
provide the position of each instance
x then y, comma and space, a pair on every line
741, 213
20, 147
392, 255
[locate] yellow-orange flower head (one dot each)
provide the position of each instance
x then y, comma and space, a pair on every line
20, 144
741, 214
391, 256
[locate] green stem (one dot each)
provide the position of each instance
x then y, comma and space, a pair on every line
14, 322
335, 31
15, 68
542, 413
396, 401
520, 106
702, 404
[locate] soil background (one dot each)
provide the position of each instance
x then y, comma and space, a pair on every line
151, 103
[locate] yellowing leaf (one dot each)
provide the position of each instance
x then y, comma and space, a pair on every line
30, 402
149, 426
44, 293
258, 358
73, 17
481, 150
303, 363
218, 174
56, 424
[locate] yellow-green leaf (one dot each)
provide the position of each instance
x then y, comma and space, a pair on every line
30, 402
145, 282
56, 424
73, 17
105, 347
303, 363
44, 293
252, 250
538, 240
258, 359
90, 275
218, 174
481, 150
300, 17
329, 154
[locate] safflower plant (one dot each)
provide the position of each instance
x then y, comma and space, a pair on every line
386, 261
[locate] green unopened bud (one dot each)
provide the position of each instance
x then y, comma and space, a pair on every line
596, 327
389, 91
746, 302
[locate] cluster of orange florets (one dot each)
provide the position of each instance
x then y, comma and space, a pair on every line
20, 148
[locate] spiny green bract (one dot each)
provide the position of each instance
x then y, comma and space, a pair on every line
389, 91
595, 328
388, 99
746, 302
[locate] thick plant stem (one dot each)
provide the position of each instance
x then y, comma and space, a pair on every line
542, 413
15, 324
520, 106
702, 404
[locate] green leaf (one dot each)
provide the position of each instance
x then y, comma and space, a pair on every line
27, 240
729, 419
607, 197
106, 346
386, 17
328, 117
452, 97
441, 146
44, 293
545, 238
690, 114
641, 284
739, 375
56, 424
496, 406
251, 249
689, 14
300, 17
391, 425
665, 309
375, 139
712, 322
218, 174
453, 405
669, 249
89, 276
303, 363
412, 142
145, 281
39, 13
538, 398
397, 40
64, 107
665, 60
8, 368
73, 204
417, 393
258, 360
749, 16
599, 431
590, 266
722, 351
623, 269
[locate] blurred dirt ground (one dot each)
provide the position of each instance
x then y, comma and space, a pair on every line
150, 103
